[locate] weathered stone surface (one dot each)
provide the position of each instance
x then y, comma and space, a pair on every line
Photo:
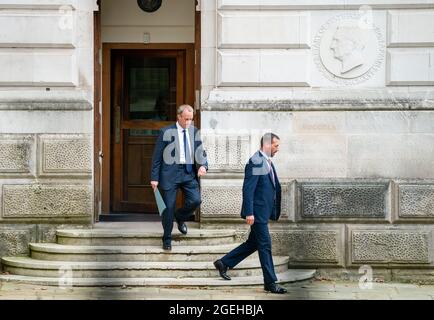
287, 210
416, 201
32, 105
43, 201
222, 200
15, 241
343, 200
15, 154
47, 233
225, 152
390, 246
279, 30
307, 246
66, 154
419, 276
46, 121
405, 156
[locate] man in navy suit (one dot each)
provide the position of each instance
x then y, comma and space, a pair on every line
261, 203
177, 163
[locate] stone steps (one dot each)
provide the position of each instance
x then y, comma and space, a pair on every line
288, 276
96, 237
131, 269
117, 256
58, 252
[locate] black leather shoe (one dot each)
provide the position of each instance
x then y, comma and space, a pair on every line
219, 265
167, 247
274, 288
182, 227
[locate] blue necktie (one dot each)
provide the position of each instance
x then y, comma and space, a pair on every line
188, 162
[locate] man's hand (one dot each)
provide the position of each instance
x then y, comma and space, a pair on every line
201, 172
250, 220
154, 185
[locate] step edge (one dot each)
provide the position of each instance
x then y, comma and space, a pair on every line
283, 277
53, 248
33, 264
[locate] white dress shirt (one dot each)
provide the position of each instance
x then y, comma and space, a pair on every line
270, 168
266, 158
181, 142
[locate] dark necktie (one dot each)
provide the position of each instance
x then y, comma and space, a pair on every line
272, 172
188, 162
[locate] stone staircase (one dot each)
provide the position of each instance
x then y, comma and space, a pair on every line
109, 257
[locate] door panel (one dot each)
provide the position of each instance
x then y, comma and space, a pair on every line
148, 87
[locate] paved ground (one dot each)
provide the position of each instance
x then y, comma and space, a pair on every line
309, 290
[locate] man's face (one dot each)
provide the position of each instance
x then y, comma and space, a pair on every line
271, 148
185, 119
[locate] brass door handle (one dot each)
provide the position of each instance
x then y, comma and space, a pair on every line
118, 125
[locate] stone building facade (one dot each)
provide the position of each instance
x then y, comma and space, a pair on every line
346, 84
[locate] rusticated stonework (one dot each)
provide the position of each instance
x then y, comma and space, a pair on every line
227, 200
394, 246
14, 242
66, 154
46, 201
15, 154
343, 201
313, 246
416, 201
221, 200
228, 153
287, 201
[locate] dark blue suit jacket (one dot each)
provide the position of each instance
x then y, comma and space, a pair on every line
260, 196
167, 148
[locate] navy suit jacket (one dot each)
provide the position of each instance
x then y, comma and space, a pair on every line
167, 148
260, 196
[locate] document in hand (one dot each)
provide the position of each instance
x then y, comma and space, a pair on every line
160, 202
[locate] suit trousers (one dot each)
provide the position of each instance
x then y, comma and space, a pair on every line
259, 239
190, 187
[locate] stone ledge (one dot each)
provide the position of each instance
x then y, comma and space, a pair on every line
331, 5
45, 105
321, 105
379, 274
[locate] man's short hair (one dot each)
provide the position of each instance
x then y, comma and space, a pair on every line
269, 137
184, 107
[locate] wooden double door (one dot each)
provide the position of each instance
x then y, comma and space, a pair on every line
147, 86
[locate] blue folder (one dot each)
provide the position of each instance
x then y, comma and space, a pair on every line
160, 202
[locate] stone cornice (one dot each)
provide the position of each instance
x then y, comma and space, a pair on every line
324, 5
320, 105
45, 105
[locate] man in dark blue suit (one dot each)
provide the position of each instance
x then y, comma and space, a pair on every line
177, 163
261, 203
